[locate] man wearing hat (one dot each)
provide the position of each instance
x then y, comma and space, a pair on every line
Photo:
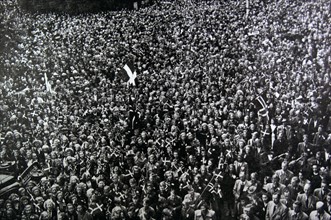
319, 213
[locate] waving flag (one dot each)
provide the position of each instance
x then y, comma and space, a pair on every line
128, 74
262, 107
132, 75
211, 188
260, 103
123, 75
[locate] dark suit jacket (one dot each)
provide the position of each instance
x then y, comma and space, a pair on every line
313, 125
278, 213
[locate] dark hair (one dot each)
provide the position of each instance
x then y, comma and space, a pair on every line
277, 194
298, 203
286, 190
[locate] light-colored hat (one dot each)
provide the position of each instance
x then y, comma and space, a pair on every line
319, 205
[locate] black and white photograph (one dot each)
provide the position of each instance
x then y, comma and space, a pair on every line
165, 110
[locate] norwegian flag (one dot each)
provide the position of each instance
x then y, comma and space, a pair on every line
260, 103
217, 191
261, 106
218, 175
211, 188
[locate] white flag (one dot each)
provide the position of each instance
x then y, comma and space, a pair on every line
131, 75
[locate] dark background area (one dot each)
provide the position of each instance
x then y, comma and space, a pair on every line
78, 6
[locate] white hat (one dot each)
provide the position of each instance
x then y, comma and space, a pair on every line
319, 205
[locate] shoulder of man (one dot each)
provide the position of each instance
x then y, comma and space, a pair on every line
197, 212
210, 213
317, 190
327, 215
304, 216
284, 207
270, 203
313, 214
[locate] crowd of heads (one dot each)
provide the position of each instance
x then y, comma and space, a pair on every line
190, 136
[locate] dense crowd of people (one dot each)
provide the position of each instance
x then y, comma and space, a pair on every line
191, 140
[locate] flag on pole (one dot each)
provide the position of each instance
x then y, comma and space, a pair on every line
261, 106
123, 75
260, 103
218, 175
211, 188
